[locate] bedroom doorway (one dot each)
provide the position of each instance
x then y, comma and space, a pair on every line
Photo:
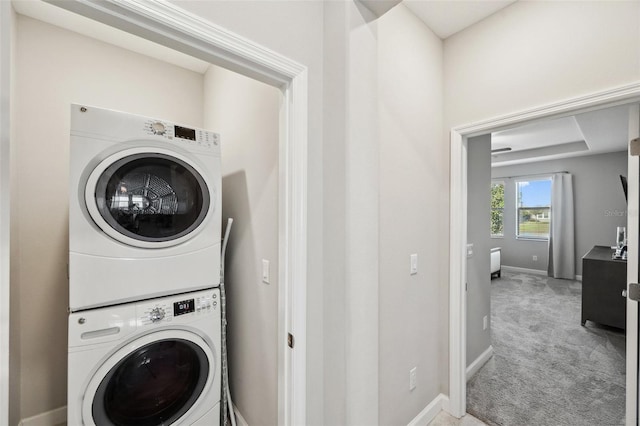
459, 151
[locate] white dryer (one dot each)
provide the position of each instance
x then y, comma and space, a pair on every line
145, 208
155, 362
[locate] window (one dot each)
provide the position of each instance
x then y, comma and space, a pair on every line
533, 208
497, 209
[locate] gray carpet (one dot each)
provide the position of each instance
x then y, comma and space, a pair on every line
547, 369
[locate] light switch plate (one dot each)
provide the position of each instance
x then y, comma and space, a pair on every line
414, 264
469, 250
265, 271
413, 378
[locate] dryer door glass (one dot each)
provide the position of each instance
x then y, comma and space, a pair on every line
154, 385
152, 197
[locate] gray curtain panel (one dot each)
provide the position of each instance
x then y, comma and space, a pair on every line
562, 247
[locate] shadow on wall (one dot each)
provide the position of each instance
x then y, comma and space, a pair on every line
235, 204
251, 311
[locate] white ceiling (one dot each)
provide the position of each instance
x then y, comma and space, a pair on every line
446, 18
62, 18
590, 133
584, 134
443, 17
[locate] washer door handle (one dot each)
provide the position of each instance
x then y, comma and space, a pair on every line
100, 333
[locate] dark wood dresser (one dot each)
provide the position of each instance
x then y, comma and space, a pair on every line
603, 280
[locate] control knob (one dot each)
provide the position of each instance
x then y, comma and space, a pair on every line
158, 128
156, 314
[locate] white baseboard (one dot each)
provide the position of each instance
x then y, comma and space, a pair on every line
531, 271
479, 362
49, 418
59, 415
524, 270
441, 402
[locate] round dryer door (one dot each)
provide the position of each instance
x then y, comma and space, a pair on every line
155, 383
148, 199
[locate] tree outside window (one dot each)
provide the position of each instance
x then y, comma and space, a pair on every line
497, 209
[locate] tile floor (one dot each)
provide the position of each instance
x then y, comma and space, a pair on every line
445, 419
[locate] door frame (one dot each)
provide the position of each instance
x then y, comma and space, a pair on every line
458, 235
168, 24
6, 28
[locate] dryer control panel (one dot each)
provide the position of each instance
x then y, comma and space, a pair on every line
189, 136
100, 123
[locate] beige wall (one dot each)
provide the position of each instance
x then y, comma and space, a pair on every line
14, 312
413, 181
524, 56
56, 67
361, 219
293, 29
533, 53
246, 114
333, 396
478, 233
344, 242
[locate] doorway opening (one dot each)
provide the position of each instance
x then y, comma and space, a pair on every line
458, 219
171, 27
532, 330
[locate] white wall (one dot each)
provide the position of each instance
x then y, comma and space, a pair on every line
361, 219
346, 316
478, 233
56, 67
536, 52
413, 182
246, 114
295, 30
333, 205
380, 322
488, 70
8, 300
599, 206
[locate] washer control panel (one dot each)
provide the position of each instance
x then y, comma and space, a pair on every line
183, 135
153, 313
178, 308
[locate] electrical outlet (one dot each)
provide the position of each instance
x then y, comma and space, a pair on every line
485, 322
535, 258
413, 378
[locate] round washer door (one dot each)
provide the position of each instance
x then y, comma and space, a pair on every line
148, 198
155, 380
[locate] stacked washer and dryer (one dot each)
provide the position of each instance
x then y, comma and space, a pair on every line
144, 271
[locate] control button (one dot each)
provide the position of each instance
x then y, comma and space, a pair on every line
158, 128
156, 314
215, 303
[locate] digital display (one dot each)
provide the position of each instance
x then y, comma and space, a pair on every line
184, 133
184, 307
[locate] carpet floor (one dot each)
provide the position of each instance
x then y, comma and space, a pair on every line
547, 369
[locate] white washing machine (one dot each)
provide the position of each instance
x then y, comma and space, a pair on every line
155, 362
145, 208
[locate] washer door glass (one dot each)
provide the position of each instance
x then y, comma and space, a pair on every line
152, 197
154, 385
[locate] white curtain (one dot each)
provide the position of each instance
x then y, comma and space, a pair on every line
562, 252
